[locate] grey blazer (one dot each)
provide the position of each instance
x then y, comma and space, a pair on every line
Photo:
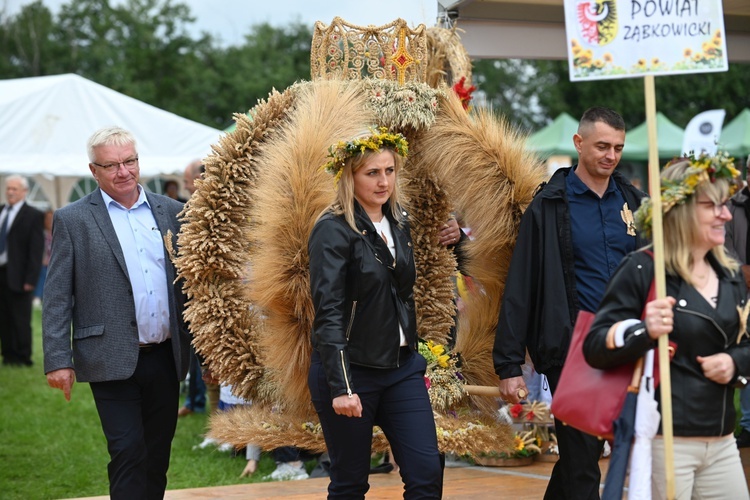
88, 286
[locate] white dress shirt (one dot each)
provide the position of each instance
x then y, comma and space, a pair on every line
9, 211
143, 248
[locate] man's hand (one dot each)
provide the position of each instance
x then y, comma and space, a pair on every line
513, 390
28, 287
62, 379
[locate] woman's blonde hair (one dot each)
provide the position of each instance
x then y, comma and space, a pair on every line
681, 224
344, 203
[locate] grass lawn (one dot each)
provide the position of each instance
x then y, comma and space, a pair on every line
50, 448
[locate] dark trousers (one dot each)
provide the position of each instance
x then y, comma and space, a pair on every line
576, 474
396, 400
139, 418
15, 322
196, 395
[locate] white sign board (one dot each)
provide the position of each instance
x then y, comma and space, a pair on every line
703, 131
630, 38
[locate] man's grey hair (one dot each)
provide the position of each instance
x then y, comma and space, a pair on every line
109, 136
20, 178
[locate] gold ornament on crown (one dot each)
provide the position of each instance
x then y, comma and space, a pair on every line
344, 51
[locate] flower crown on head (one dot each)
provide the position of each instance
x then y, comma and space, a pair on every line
702, 169
375, 141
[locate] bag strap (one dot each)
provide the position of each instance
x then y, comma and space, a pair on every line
635, 382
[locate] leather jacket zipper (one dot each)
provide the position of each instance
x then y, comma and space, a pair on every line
708, 318
726, 344
351, 320
346, 378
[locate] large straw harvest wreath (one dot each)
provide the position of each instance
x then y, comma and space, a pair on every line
243, 247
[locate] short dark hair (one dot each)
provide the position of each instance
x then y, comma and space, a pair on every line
604, 115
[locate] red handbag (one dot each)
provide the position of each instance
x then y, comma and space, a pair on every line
587, 398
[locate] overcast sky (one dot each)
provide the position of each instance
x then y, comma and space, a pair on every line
231, 19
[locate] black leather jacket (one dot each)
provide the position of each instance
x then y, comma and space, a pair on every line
360, 295
700, 407
540, 302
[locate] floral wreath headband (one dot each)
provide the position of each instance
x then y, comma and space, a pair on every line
702, 169
377, 140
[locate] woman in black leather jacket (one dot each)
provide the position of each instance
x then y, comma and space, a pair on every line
365, 369
703, 314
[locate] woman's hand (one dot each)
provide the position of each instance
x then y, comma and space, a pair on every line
348, 406
450, 234
717, 368
659, 317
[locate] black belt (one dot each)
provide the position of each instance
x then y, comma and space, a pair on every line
146, 348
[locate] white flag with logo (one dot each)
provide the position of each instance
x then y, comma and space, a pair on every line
702, 133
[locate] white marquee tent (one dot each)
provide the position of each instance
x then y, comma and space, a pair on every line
47, 120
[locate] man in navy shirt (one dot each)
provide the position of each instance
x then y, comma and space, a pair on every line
571, 239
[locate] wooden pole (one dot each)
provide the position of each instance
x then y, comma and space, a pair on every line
482, 390
665, 384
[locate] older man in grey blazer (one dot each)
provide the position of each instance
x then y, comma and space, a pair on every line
111, 278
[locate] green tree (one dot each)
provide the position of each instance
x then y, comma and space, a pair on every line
270, 58
143, 48
531, 93
27, 43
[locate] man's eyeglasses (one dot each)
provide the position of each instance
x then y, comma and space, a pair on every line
718, 208
111, 167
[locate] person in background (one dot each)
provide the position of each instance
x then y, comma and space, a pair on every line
112, 280
365, 367
45, 260
704, 313
172, 189
198, 387
737, 245
193, 171
572, 236
21, 251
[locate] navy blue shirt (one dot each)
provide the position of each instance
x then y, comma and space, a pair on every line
600, 237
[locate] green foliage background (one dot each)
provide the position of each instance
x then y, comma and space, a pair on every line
50, 448
147, 50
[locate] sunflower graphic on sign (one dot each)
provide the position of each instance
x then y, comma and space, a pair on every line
597, 21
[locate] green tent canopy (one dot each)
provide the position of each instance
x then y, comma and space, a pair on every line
556, 138
735, 136
668, 136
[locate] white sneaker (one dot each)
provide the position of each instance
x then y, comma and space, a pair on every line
225, 447
206, 443
288, 472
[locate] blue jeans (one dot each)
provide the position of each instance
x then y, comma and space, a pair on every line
196, 396
745, 408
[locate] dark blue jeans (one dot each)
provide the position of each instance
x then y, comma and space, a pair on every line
396, 400
196, 395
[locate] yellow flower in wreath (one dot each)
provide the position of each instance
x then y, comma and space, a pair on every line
442, 360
